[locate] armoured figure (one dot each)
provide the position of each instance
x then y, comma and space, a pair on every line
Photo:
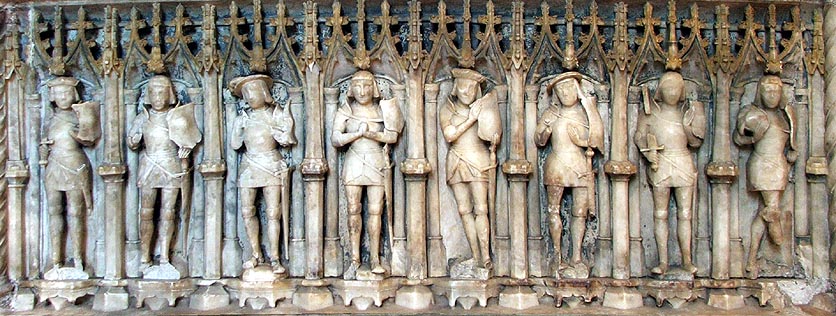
368, 128
573, 127
67, 176
767, 124
471, 124
669, 127
262, 130
168, 135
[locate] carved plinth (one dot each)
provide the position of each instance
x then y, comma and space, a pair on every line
61, 293
159, 293
675, 293
111, 299
261, 294
571, 291
725, 299
23, 300
414, 296
518, 297
621, 297
313, 295
209, 297
364, 293
467, 292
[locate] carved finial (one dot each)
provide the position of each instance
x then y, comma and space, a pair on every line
209, 53
815, 60
773, 62
570, 61
155, 62
57, 66
258, 63
234, 21
361, 55
490, 19
415, 52
180, 21
441, 19
81, 26
336, 21
796, 26
517, 35
310, 51
109, 60
281, 21
723, 58
385, 20
11, 58
621, 54
135, 25
750, 25
593, 20
673, 61
466, 60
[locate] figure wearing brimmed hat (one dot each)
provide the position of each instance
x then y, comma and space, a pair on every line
67, 175
262, 130
470, 122
573, 126
768, 124
669, 127
168, 135
369, 127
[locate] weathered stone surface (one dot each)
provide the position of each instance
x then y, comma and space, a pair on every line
518, 297
415, 297
622, 298
209, 298
312, 298
111, 299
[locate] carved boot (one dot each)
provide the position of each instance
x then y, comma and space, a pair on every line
772, 217
374, 244
276, 264
56, 221
146, 232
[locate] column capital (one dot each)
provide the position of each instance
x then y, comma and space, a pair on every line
417, 168
314, 169
816, 166
17, 172
112, 172
721, 171
212, 169
517, 169
620, 170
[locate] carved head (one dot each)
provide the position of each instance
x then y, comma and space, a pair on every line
363, 87
255, 90
564, 88
159, 93
671, 89
770, 92
62, 91
466, 86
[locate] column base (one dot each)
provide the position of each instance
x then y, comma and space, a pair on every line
725, 299
622, 298
362, 293
23, 300
110, 299
209, 297
518, 297
312, 298
414, 297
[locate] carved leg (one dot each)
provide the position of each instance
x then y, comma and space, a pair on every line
248, 213
76, 210
483, 225
661, 199
758, 226
167, 214
146, 224
272, 195
375, 195
772, 215
56, 225
578, 222
684, 198
354, 195
462, 195
555, 194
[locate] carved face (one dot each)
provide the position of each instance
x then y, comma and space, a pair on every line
63, 96
567, 92
362, 90
466, 90
771, 90
671, 88
158, 96
255, 94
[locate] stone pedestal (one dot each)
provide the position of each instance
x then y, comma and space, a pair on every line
415, 297
209, 297
313, 295
725, 299
622, 298
63, 293
518, 297
675, 293
158, 294
467, 292
572, 292
23, 300
111, 299
364, 293
261, 294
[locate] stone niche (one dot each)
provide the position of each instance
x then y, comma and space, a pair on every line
350, 156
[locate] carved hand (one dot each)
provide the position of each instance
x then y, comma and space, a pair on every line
43, 151
364, 128
184, 152
474, 112
653, 158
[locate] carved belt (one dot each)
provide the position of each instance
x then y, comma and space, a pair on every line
250, 159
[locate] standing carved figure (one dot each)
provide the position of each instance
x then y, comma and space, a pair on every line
168, 134
469, 120
767, 124
262, 130
669, 127
574, 127
369, 127
67, 176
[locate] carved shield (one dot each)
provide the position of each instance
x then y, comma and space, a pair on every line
182, 126
89, 129
392, 116
490, 122
695, 118
283, 118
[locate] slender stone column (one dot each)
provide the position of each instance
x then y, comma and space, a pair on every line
17, 170
400, 257
5, 285
735, 240
333, 248
536, 244
830, 119
517, 169
437, 256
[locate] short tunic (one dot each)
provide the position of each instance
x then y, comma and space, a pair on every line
468, 159
161, 168
66, 170
259, 170
364, 166
567, 164
767, 173
676, 169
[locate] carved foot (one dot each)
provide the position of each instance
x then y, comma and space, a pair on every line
277, 267
752, 270
251, 263
690, 268
660, 269
377, 268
